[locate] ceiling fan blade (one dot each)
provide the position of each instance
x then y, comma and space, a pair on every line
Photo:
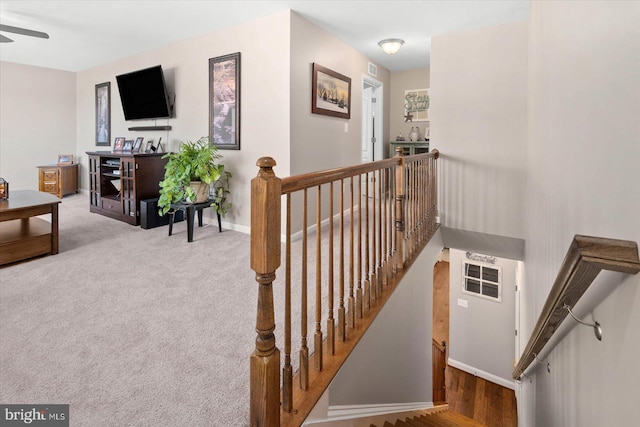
23, 31
4, 39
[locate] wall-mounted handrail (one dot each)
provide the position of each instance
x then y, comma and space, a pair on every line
586, 257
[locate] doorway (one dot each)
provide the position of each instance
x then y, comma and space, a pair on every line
372, 143
372, 118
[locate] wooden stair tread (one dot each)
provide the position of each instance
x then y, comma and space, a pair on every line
425, 421
434, 421
443, 418
441, 421
456, 420
413, 423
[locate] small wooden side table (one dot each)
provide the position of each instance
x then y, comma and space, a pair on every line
191, 209
58, 179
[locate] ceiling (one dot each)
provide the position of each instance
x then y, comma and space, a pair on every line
89, 33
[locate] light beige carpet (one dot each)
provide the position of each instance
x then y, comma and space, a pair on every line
131, 327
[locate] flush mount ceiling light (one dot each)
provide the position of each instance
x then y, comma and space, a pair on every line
391, 46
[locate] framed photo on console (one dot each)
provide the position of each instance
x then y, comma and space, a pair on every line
137, 144
128, 145
65, 159
118, 143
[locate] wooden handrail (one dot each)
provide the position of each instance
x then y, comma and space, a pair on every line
586, 257
388, 224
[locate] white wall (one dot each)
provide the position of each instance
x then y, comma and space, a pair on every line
401, 81
392, 362
37, 121
264, 48
482, 334
320, 142
583, 177
479, 123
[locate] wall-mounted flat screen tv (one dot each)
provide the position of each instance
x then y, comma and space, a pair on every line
144, 94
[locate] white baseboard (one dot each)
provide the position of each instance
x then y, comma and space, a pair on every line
346, 412
511, 384
232, 226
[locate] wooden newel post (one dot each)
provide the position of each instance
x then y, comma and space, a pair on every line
265, 260
399, 235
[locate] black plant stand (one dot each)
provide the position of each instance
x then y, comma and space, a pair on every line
191, 209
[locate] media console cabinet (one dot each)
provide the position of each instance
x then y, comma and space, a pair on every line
118, 181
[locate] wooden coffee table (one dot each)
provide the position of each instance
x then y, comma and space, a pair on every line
21, 235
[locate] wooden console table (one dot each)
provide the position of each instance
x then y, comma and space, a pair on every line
21, 235
408, 148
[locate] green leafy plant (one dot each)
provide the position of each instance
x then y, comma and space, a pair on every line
194, 161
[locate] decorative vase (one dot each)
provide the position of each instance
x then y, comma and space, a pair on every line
201, 189
414, 135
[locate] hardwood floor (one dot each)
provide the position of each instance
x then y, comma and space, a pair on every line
483, 401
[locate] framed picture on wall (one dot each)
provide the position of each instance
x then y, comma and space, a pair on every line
330, 93
416, 105
103, 114
224, 101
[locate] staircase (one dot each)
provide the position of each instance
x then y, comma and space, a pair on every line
443, 418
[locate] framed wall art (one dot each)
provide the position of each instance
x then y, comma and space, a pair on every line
330, 93
103, 114
224, 101
416, 105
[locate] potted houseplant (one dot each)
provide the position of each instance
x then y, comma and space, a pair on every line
189, 175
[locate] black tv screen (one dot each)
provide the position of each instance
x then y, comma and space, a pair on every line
143, 94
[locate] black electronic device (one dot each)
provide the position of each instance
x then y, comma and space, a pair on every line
143, 94
149, 217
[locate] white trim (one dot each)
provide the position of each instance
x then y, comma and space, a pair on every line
347, 412
511, 384
232, 226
